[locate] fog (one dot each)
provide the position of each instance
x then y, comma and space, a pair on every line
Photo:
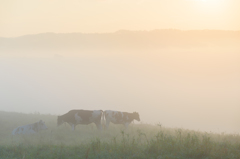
192, 88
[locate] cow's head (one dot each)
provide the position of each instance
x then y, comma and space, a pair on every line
59, 121
136, 116
41, 125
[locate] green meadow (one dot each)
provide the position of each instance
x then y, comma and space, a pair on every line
140, 141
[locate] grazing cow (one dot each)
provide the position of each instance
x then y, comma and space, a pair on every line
75, 117
118, 117
30, 128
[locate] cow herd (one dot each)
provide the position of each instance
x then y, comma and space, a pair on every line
85, 117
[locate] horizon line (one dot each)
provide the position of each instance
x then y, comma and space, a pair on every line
120, 30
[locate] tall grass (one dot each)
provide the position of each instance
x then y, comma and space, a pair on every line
139, 141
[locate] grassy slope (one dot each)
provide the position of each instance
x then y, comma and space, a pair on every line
140, 141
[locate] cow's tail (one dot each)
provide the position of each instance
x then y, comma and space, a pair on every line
103, 119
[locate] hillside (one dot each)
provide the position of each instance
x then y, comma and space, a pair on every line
124, 40
140, 141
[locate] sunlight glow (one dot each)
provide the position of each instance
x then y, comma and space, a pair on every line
211, 6
211, 3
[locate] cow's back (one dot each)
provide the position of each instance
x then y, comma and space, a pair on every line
25, 129
30, 128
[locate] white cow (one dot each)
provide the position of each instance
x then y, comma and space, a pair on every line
30, 128
118, 117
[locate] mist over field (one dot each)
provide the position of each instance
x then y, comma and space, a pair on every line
174, 63
180, 79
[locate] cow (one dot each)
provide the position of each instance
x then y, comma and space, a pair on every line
118, 117
85, 117
30, 128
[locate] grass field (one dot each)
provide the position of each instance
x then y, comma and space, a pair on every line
140, 141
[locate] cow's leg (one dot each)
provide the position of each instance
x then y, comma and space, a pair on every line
126, 125
107, 123
73, 127
99, 126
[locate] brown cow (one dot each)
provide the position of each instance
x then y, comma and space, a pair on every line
75, 117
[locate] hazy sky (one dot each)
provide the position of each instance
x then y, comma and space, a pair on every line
64, 16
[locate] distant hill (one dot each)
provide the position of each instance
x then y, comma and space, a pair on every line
124, 40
